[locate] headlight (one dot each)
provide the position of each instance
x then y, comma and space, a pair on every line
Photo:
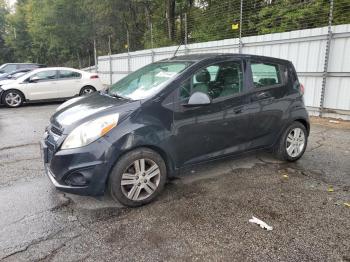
90, 131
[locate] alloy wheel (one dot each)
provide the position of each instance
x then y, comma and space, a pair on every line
87, 91
13, 99
140, 180
295, 142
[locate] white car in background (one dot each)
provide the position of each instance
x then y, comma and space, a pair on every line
51, 83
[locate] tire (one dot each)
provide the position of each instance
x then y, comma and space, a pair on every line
292, 145
13, 98
87, 90
132, 188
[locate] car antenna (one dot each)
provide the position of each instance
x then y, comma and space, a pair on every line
177, 49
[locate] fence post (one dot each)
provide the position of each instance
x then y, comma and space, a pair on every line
152, 55
240, 28
326, 59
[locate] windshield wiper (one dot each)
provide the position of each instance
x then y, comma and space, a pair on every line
116, 95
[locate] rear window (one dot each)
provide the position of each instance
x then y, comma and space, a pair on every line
67, 74
265, 74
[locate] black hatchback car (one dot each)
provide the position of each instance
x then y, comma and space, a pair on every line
170, 114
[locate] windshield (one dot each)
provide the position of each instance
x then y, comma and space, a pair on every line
148, 80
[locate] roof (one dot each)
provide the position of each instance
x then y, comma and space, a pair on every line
56, 68
205, 56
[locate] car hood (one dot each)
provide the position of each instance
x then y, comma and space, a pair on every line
5, 82
89, 108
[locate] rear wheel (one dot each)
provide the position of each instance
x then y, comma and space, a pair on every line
13, 98
292, 143
138, 177
87, 90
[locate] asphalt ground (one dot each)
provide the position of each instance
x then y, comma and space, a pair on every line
202, 215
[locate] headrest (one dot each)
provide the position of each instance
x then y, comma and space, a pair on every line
203, 76
229, 75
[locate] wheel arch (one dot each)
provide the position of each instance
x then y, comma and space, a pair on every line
88, 85
304, 122
169, 163
11, 89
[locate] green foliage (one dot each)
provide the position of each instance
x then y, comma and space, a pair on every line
63, 32
5, 51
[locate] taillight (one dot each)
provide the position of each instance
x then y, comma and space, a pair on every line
302, 89
94, 77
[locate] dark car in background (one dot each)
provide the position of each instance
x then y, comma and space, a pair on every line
11, 67
15, 74
171, 114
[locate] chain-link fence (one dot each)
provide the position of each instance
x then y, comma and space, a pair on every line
196, 21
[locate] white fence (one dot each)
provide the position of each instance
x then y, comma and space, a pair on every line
305, 48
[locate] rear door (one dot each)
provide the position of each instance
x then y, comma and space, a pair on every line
69, 83
217, 129
42, 85
267, 100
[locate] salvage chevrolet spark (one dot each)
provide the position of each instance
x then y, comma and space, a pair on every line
170, 114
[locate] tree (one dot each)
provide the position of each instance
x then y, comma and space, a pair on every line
5, 51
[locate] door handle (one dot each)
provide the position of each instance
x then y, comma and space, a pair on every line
238, 110
261, 96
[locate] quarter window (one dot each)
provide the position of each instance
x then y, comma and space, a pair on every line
220, 80
66, 74
265, 74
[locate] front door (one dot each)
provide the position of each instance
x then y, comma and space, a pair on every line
42, 85
213, 130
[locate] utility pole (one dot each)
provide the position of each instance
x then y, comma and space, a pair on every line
110, 61
128, 44
151, 28
240, 28
109, 45
128, 40
186, 31
95, 56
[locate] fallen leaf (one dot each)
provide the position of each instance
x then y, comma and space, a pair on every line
330, 189
347, 204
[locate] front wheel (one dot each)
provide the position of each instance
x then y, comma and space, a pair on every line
13, 98
292, 143
138, 177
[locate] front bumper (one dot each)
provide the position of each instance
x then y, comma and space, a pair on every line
1, 93
90, 162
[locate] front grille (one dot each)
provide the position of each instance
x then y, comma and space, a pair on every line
56, 130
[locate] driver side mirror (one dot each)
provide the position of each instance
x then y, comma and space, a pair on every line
34, 79
199, 99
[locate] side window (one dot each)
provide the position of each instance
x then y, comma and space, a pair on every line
25, 66
66, 74
219, 80
265, 74
44, 76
